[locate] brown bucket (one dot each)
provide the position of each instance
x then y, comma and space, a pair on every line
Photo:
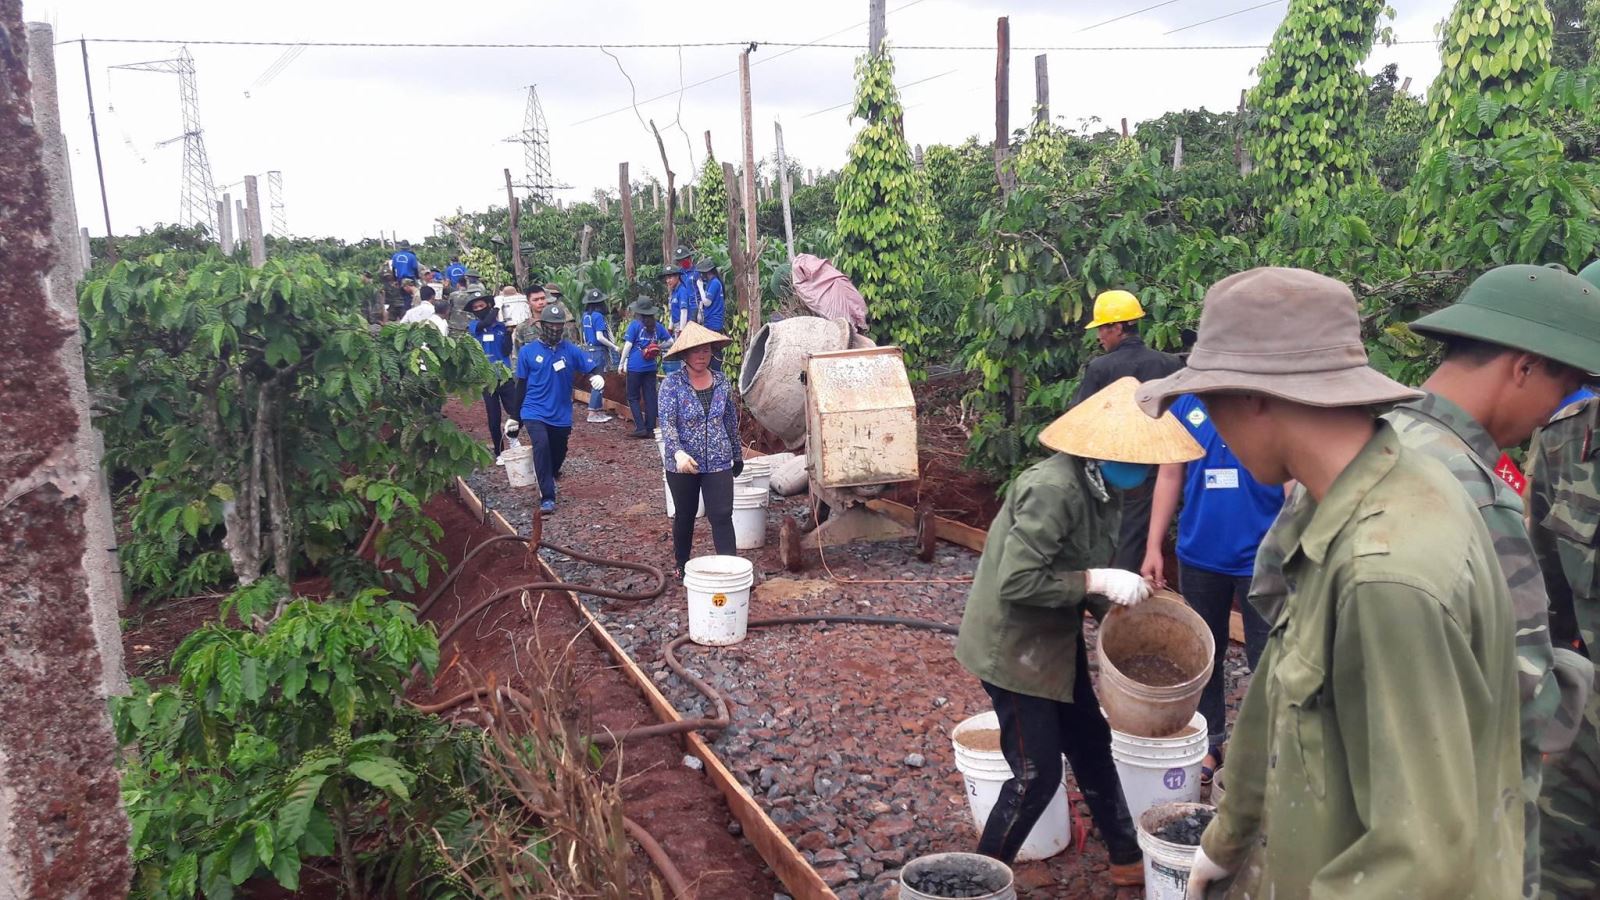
1155, 659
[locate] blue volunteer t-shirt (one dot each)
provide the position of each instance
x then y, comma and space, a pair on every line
549, 372
685, 297
712, 316
639, 338
594, 323
495, 339
404, 263
1225, 512
455, 273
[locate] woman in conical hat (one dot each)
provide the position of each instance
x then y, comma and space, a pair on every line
1022, 633
699, 426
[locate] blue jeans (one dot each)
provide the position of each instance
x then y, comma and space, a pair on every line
549, 452
642, 400
602, 361
1211, 594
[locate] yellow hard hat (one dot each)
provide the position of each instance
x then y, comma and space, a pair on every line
1116, 306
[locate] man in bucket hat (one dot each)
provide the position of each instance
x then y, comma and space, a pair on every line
1517, 341
1022, 631
1376, 753
1564, 500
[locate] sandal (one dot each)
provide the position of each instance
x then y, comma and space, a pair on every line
1210, 765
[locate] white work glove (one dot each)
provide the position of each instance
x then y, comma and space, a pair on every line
627, 350
1120, 586
597, 382
1201, 873
685, 463
512, 428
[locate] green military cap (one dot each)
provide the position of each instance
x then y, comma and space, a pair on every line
1591, 273
643, 306
1535, 309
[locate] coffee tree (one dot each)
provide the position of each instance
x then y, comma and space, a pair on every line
258, 423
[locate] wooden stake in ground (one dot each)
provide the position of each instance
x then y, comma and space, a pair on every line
783, 187
747, 288
625, 200
1240, 154
752, 256
583, 242
669, 225
878, 25
1041, 89
1002, 102
1124, 128
518, 266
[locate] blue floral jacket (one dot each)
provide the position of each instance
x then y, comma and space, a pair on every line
712, 439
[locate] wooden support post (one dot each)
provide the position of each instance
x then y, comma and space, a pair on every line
783, 173
1124, 127
519, 267
625, 201
741, 261
1405, 86
1241, 156
752, 255
877, 25
258, 239
1002, 102
583, 242
669, 224
1177, 154
1041, 89
688, 199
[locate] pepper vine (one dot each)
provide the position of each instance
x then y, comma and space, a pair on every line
1492, 56
711, 204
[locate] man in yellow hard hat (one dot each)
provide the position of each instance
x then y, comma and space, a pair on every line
1116, 317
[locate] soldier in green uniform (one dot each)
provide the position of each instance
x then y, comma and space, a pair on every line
1565, 514
1376, 753
1519, 340
1045, 561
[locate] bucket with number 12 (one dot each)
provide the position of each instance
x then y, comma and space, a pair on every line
719, 598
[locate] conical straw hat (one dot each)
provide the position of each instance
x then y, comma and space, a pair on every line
697, 335
1110, 426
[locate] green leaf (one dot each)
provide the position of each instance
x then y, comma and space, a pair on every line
382, 772
318, 839
242, 861
295, 813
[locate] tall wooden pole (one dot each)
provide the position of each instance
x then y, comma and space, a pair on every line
752, 265
99, 167
519, 268
783, 189
625, 201
1240, 155
878, 25
1002, 101
258, 238
1041, 89
669, 224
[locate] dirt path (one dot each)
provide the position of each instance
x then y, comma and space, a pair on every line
840, 731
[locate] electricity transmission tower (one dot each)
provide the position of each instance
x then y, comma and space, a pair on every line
198, 199
275, 192
535, 140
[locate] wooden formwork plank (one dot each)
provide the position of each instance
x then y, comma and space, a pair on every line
798, 877
620, 410
947, 530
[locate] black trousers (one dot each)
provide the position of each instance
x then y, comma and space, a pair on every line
549, 452
1034, 733
495, 399
717, 488
1135, 526
1211, 595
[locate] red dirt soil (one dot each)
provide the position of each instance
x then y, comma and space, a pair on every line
677, 805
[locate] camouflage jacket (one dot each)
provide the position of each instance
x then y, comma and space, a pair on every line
1376, 754
1565, 514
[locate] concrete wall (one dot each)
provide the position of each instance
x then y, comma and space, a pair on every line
62, 829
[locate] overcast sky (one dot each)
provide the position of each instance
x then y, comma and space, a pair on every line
386, 139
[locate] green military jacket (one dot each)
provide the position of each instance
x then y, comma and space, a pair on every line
1025, 612
1566, 513
1376, 752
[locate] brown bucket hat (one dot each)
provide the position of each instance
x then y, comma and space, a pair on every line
1286, 333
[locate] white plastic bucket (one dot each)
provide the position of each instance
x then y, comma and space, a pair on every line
743, 481
995, 872
719, 598
519, 465
1166, 865
759, 471
749, 518
984, 771
1154, 771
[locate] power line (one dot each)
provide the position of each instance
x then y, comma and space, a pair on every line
1127, 15
898, 87
1237, 12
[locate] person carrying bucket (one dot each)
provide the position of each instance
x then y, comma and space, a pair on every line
700, 441
495, 338
1022, 631
1377, 751
642, 343
545, 372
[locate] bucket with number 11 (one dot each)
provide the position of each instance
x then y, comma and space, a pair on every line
719, 598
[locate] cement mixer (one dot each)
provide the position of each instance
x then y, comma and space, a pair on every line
813, 383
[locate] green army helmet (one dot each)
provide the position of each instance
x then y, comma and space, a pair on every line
554, 314
1591, 273
1535, 309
